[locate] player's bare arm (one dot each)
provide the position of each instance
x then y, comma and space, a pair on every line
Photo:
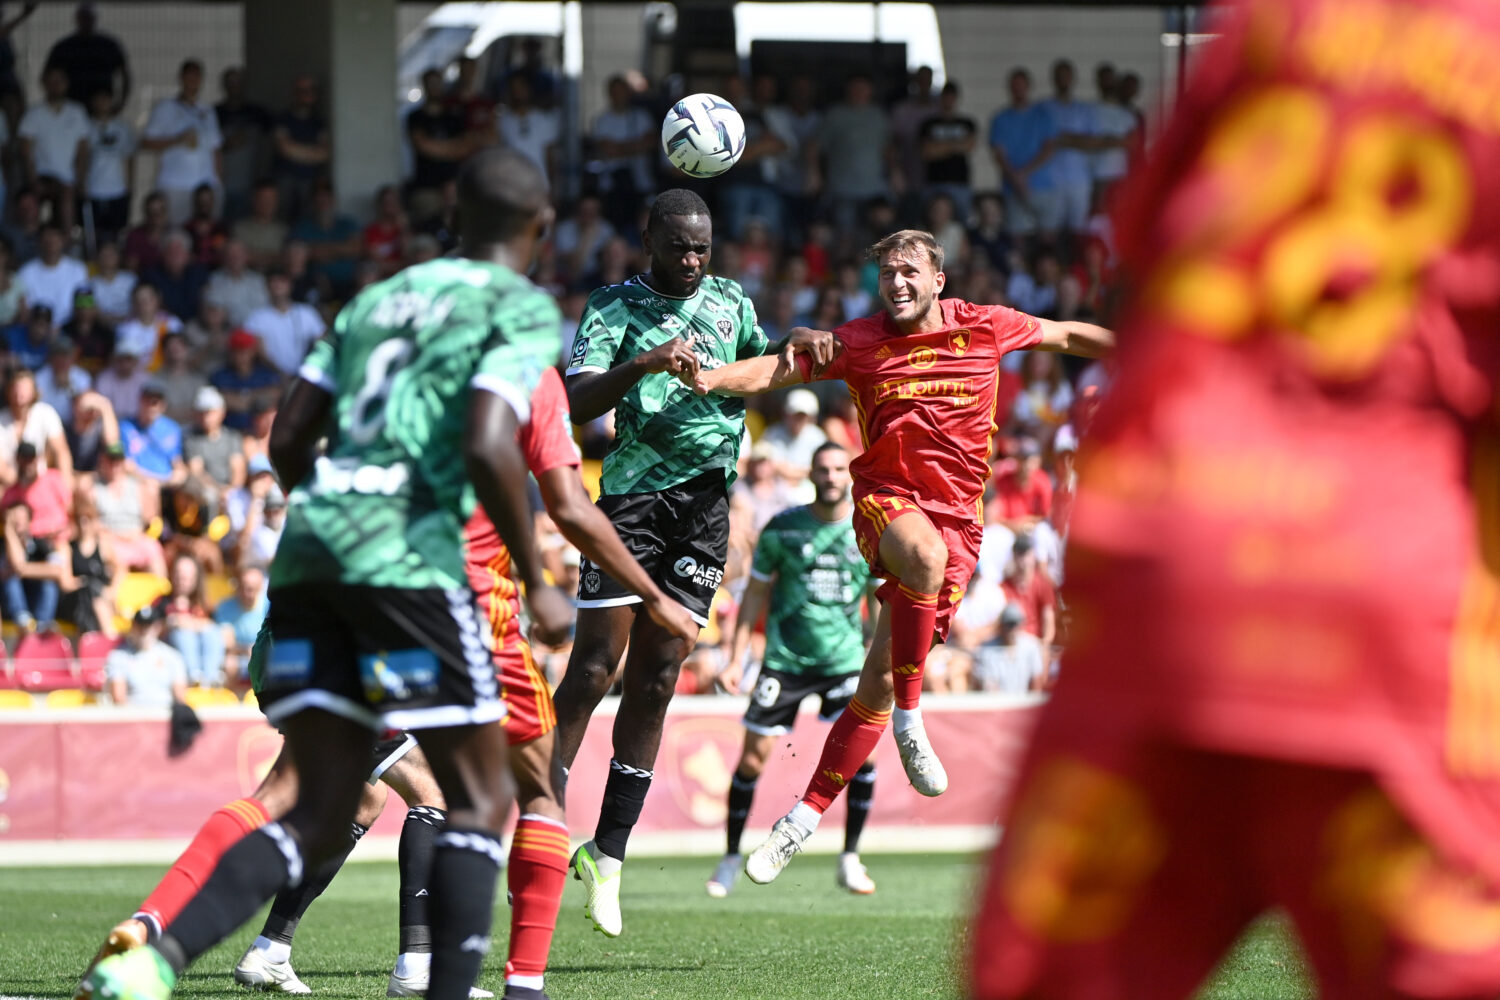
496, 467
591, 532
593, 394
300, 422
1083, 339
752, 606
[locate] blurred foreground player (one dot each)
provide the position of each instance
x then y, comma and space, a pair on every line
1283, 688
419, 389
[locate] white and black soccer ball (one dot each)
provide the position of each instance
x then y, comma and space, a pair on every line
703, 135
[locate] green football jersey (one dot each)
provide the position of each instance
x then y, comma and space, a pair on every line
386, 505
664, 433
256, 668
813, 624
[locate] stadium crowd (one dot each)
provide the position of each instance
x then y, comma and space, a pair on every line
144, 353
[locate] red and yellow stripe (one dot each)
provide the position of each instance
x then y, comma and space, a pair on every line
249, 812
917, 597
864, 713
1473, 729
546, 712
540, 839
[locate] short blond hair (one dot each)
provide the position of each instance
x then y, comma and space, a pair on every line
904, 242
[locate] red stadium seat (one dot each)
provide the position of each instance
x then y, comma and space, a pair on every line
44, 662
93, 649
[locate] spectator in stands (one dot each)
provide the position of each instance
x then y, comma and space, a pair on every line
1023, 493
1070, 132
621, 143
92, 429
208, 336
799, 119
111, 285
45, 492
286, 329
235, 287
90, 603
141, 334
54, 141
180, 379
257, 438
127, 504
120, 384
439, 142
1027, 586
153, 440
52, 278
33, 572
854, 141
190, 626
385, 237
239, 616
92, 338
749, 193
1115, 126
90, 60
214, 453
12, 294
333, 243
907, 118
989, 238
12, 94
762, 492
23, 230
781, 316
1018, 140
109, 170
243, 125
977, 620
947, 226
854, 296
178, 279
530, 130
27, 343
946, 140
580, 237
443, 227
1045, 395
467, 96
206, 230
60, 379
1034, 289
793, 439
1014, 663
28, 420
185, 132
245, 382
263, 232
302, 147
143, 670
143, 243
256, 515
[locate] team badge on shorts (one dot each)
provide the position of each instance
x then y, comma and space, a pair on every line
591, 582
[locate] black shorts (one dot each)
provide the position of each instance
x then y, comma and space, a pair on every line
382, 656
392, 745
778, 695
679, 535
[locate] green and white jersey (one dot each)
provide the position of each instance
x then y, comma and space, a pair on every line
386, 505
664, 434
813, 623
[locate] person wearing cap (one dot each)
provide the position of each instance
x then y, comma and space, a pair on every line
121, 382
235, 286
60, 379
796, 436
286, 329
246, 382
26, 418
34, 569
91, 60
180, 377
126, 504
1013, 662
214, 453
249, 499
1024, 491
143, 670
51, 278
1027, 586
153, 440
28, 342
87, 329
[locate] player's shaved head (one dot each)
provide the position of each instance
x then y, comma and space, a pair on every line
501, 195
675, 201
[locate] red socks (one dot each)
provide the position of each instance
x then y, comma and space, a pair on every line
538, 871
913, 620
219, 833
850, 742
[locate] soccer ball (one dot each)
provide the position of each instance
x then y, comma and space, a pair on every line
703, 135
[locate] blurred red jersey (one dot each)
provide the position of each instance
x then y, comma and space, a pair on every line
926, 401
1287, 514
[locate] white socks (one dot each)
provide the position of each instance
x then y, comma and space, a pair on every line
607, 865
526, 982
903, 719
275, 952
414, 965
805, 816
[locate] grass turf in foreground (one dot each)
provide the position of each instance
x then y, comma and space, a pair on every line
801, 937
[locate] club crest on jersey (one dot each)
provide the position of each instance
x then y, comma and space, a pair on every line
921, 357
959, 341
726, 329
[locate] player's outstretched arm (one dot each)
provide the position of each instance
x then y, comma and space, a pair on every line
591, 532
300, 422
748, 377
754, 604
496, 467
593, 394
1084, 339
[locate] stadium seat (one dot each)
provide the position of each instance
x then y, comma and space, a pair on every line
93, 649
136, 591
69, 698
250, 701
201, 697
44, 662
591, 471
216, 587
16, 699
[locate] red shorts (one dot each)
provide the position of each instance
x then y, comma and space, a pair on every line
961, 535
1131, 864
523, 685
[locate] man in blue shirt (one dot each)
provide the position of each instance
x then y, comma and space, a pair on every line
246, 382
1070, 134
153, 440
1018, 135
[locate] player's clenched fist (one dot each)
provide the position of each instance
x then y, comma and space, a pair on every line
675, 357
551, 614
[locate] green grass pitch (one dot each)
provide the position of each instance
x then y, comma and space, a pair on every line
801, 937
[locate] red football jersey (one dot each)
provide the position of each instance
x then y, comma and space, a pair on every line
1285, 536
926, 401
547, 443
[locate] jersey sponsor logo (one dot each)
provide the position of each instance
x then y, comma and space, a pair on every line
702, 576
959, 341
290, 663
406, 673
767, 691
686, 566
346, 475
921, 357
669, 322
726, 330
959, 391
580, 349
